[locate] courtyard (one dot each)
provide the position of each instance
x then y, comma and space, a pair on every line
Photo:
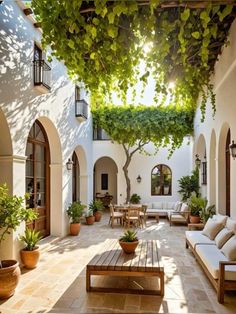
58, 284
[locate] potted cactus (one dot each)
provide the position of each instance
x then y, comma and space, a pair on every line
129, 241
30, 254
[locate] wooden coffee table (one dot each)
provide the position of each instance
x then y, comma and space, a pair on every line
112, 261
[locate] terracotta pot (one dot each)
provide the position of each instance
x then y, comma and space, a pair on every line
9, 278
90, 220
30, 258
128, 247
98, 216
194, 219
74, 229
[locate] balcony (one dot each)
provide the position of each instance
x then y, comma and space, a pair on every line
81, 110
42, 75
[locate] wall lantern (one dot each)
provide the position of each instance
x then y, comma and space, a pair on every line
232, 148
69, 164
139, 179
197, 161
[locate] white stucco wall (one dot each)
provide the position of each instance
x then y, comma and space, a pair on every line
180, 164
21, 104
214, 129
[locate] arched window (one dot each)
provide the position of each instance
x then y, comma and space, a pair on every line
161, 180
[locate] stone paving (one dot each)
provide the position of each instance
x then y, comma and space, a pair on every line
57, 285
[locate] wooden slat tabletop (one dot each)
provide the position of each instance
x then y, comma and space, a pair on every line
112, 257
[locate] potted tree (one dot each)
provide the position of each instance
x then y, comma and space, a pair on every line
12, 213
135, 198
89, 217
129, 241
75, 211
97, 207
196, 204
30, 254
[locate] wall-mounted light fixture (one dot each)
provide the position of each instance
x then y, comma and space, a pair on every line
69, 164
139, 179
232, 148
197, 161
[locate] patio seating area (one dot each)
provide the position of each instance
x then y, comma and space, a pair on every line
58, 284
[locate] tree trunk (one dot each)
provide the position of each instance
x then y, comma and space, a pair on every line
127, 179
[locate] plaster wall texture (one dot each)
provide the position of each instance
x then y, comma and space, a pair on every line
214, 129
180, 164
21, 104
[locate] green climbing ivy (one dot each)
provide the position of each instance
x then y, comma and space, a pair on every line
102, 43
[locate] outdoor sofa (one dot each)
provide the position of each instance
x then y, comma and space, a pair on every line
215, 249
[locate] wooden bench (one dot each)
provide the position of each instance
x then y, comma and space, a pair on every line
112, 261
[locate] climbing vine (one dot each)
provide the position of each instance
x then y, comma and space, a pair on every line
102, 43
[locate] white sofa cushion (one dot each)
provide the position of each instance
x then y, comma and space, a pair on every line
177, 206
169, 205
229, 249
174, 217
211, 256
220, 218
184, 207
196, 237
212, 227
222, 237
157, 205
231, 224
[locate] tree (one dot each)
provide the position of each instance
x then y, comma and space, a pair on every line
135, 126
189, 185
102, 43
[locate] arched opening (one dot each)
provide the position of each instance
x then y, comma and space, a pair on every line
75, 178
212, 170
224, 170
201, 152
37, 177
161, 180
227, 173
105, 179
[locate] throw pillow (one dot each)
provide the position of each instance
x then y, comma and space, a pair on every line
229, 249
184, 207
211, 228
220, 218
231, 224
177, 206
223, 236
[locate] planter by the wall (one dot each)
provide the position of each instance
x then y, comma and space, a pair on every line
74, 229
30, 258
98, 216
194, 219
9, 278
90, 220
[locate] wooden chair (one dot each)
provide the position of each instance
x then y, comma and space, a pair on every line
115, 216
133, 217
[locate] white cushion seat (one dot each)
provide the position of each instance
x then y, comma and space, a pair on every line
196, 237
211, 256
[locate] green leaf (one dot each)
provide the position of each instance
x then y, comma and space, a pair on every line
185, 15
112, 31
196, 35
227, 10
111, 17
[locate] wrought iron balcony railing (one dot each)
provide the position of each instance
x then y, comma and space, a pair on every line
81, 109
42, 76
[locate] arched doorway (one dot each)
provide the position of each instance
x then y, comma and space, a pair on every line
227, 173
37, 177
105, 178
75, 179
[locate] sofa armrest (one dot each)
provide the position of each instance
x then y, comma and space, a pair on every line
221, 281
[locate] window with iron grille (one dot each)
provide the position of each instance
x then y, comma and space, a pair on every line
204, 172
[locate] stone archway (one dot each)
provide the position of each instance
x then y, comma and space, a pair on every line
82, 175
212, 169
105, 177
223, 191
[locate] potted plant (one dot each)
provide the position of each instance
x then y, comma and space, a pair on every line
189, 185
97, 207
89, 217
12, 213
75, 211
196, 204
129, 241
30, 254
207, 212
135, 198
